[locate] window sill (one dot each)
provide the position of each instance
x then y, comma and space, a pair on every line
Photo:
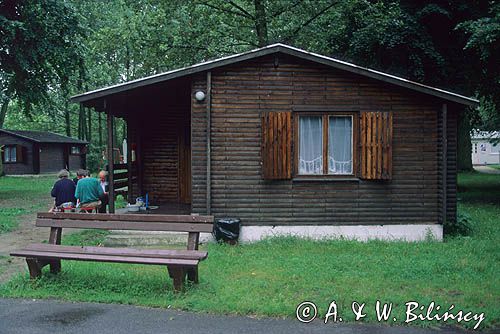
326, 179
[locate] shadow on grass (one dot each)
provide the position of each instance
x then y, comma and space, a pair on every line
477, 187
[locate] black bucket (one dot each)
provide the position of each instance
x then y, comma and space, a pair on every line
227, 230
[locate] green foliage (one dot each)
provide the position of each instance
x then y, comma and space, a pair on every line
484, 42
94, 160
38, 49
462, 227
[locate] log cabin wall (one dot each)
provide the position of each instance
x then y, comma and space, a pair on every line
199, 147
241, 93
76, 161
19, 168
52, 157
157, 125
451, 175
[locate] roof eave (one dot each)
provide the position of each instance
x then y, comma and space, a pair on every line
79, 142
302, 54
19, 135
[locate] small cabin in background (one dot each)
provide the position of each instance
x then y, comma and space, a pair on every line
484, 149
36, 152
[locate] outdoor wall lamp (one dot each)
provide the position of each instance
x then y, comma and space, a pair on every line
199, 96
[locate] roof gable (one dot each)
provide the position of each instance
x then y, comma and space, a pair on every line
43, 136
271, 49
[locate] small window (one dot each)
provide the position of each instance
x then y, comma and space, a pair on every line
325, 145
75, 150
10, 154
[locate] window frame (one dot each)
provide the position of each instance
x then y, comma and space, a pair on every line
325, 127
75, 146
9, 147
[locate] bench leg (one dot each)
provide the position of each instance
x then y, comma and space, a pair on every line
192, 275
34, 268
177, 273
55, 266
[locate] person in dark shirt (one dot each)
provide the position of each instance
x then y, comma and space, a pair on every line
64, 189
80, 174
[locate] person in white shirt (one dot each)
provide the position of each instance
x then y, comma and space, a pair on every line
104, 185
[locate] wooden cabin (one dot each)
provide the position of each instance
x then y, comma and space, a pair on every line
292, 142
37, 152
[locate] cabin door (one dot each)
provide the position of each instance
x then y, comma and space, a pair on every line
185, 165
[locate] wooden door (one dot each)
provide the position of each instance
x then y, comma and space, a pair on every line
185, 165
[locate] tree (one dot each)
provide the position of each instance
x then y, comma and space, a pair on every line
37, 49
484, 44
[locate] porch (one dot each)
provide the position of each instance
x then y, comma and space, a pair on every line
158, 122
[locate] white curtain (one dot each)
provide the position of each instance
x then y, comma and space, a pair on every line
340, 145
310, 145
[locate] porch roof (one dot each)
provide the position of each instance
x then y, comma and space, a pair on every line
93, 97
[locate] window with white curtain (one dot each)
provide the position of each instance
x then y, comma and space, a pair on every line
9, 154
340, 145
337, 159
310, 145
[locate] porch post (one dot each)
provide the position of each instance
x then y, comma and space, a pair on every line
130, 175
111, 186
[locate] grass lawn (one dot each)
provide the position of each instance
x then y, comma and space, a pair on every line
494, 166
23, 196
271, 277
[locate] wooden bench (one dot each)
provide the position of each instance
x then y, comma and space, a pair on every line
180, 263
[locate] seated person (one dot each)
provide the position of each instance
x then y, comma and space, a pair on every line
88, 191
80, 174
104, 185
63, 190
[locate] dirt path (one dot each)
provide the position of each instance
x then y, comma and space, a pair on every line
25, 234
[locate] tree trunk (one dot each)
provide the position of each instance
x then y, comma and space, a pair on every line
82, 123
67, 118
464, 146
3, 110
261, 23
89, 133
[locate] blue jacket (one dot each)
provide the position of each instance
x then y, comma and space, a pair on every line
64, 191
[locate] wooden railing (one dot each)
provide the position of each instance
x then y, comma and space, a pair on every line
120, 179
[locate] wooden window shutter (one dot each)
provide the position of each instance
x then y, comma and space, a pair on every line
20, 153
376, 145
276, 153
